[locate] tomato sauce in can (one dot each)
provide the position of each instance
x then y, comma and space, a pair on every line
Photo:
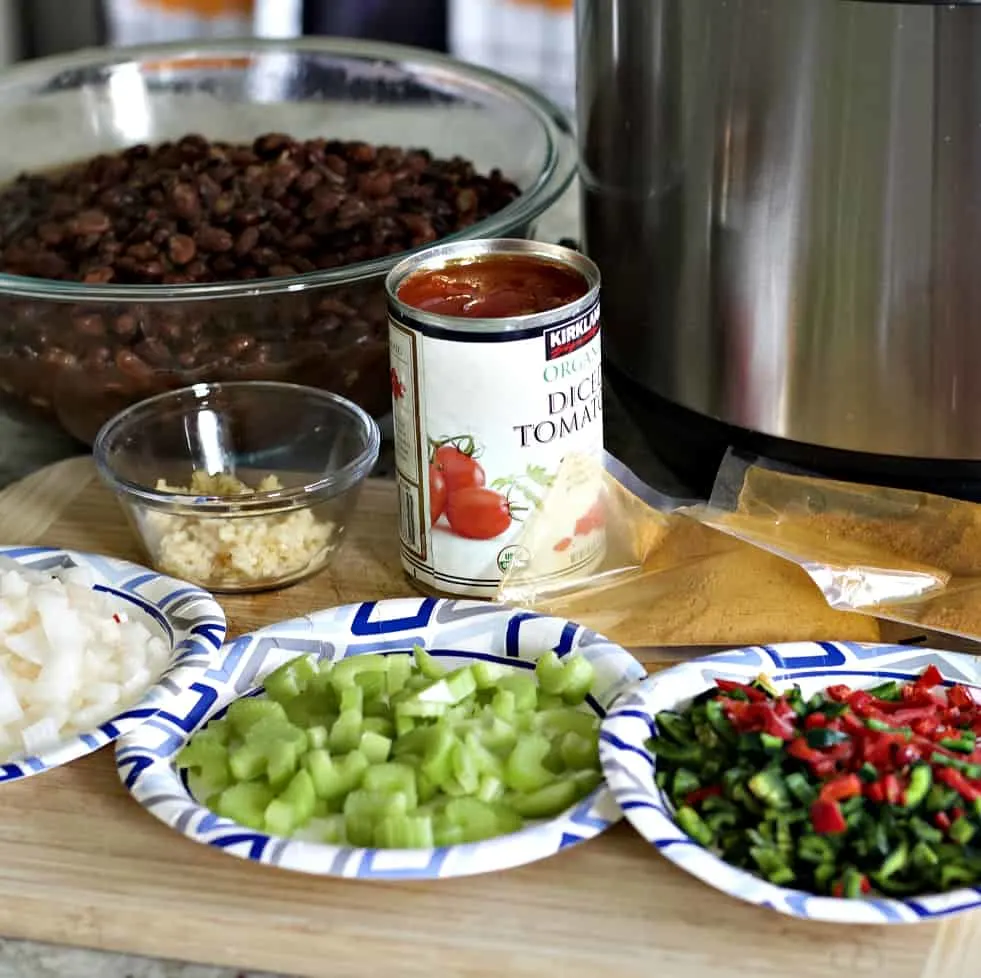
496, 372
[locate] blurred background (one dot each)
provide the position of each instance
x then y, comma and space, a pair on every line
531, 40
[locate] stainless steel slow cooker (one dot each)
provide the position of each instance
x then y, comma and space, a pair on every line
784, 197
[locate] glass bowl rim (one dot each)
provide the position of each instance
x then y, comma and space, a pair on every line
332, 484
553, 179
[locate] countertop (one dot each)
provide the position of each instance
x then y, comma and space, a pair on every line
26, 446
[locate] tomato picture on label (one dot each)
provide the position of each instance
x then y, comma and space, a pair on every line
398, 388
593, 519
437, 494
478, 513
459, 468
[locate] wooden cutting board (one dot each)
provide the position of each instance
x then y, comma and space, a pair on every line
82, 864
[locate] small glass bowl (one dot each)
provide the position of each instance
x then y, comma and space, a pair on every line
305, 450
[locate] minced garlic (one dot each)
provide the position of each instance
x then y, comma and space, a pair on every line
236, 551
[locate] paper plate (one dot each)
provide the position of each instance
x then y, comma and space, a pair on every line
629, 767
455, 631
188, 619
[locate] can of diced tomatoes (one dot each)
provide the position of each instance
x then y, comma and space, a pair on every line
496, 376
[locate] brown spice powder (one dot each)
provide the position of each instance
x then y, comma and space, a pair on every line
948, 541
701, 587
847, 525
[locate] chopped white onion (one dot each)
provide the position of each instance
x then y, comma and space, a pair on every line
70, 658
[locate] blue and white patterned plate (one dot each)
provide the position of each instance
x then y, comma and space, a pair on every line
188, 619
455, 631
629, 766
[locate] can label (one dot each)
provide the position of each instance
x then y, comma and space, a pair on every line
482, 422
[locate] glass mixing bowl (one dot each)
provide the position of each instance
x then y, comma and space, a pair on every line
81, 352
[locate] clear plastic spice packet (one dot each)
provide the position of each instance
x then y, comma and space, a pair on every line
908, 557
664, 578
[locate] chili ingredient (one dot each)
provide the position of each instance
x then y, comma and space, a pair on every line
394, 751
835, 794
235, 551
493, 287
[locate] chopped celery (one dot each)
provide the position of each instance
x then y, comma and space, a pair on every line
427, 664
290, 679
375, 747
555, 723
490, 789
404, 832
345, 735
344, 672
552, 677
547, 801
488, 674
247, 762
392, 778
399, 670
352, 700
372, 686
437, 762
333, 778
525, 690
524, 770
404, 725
311, 708
498, 735
364, 809
274, 730
485, 760
578, 751
328, 829
579, 678
504, 705
208, 756
381, 725
245, 803
282, 759
466, 770
434, 699
249, 710
317, 737
293, 807
395, 751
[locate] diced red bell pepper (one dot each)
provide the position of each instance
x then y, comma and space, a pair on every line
907, 754
957, 781
891, 788
875, 793
800, 749
877, 748
926, 726
942, 821
842, 753
696, 797
852, 724
823, 767
742, 715
920, 696
863, 703
960, 696
929, 679
956, 812
827, 818
839, 693
730, 686
838, 789
777, 726
815, 721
